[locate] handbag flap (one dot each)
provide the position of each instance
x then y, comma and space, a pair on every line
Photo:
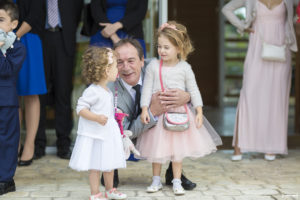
177, 118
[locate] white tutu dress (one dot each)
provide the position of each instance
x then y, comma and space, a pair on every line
97, 147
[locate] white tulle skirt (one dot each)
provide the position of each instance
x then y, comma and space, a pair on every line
94, 154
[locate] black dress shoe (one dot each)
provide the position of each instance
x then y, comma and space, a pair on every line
64, 154
6, 187
186, 183
22, 163
38, 153
116, 179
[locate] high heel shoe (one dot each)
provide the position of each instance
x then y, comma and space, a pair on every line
22, 163
21, 151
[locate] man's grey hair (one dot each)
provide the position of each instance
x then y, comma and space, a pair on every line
134, 43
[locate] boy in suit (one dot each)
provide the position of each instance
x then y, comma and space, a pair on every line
10, 64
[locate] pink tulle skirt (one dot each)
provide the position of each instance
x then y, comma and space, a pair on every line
159, 145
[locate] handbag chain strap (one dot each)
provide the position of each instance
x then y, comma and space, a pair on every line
162, 89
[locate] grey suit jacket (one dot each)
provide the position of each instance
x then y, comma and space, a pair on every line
126, 104
250, 5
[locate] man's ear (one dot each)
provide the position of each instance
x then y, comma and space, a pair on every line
14, 24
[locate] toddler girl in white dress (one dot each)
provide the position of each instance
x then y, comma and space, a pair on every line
98, 145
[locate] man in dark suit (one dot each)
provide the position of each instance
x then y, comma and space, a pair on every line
59, 45
131, 71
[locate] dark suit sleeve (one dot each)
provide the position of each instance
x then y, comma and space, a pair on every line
79, 8
98, 11
35, 15
136, 15
13, 61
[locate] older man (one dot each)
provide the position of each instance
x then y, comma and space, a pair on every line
131, 72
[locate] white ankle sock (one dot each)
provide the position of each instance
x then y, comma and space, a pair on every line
176, 183
156, 181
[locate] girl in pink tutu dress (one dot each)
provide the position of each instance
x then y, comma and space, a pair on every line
159, 145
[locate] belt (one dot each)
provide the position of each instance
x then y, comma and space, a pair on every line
55, 29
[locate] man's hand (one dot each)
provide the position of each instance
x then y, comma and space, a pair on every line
2, 43
156, 107
102, 119
172, 98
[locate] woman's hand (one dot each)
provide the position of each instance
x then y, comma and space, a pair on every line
109, 29
249, 30
115, 38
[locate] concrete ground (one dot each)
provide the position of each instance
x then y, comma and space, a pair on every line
216, 176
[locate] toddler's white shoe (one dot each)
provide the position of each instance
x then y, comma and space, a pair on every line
237, 157
97, 197
269, 157
178, 190
177, 187
114, 194
154, 188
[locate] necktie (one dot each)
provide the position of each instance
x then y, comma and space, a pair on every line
138, 110
52, 13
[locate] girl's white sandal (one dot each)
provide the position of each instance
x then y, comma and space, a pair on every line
237, 157
178, 191
154, 188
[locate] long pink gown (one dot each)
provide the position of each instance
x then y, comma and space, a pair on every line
262, 112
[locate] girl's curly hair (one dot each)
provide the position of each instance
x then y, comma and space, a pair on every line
95, 61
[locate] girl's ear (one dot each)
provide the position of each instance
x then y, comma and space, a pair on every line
178, 52
107, 71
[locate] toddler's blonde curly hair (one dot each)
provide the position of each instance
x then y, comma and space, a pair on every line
95, 61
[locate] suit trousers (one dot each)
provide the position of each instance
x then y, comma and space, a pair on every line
9, 141
58, 72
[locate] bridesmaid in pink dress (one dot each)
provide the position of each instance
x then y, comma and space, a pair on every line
262, 112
